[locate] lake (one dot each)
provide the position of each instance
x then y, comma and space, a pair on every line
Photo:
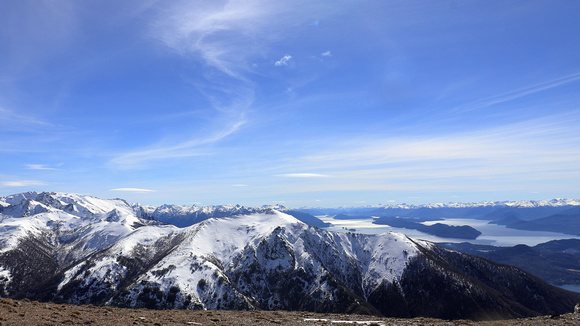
570, 287
492, 234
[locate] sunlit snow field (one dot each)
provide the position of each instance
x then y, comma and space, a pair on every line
492, 234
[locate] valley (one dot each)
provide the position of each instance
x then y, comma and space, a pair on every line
77, 249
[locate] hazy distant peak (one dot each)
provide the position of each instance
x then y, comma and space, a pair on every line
557, 202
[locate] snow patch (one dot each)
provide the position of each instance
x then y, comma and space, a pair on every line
5, 276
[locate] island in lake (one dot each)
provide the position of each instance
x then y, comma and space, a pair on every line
438, 229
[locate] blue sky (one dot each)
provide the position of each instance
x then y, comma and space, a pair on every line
303, 103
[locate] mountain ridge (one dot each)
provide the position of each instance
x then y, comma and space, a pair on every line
98, 251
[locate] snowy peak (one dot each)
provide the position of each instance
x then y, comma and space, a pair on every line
82, 249
241, 262
17, 198
224, 236
32, 203
183, 216
68, 226
557, 202
27, 207
267, 219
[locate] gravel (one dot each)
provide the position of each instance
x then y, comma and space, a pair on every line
25, 312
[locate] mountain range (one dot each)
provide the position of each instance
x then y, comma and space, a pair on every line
567, 222
185, 215
85, 250
490, 210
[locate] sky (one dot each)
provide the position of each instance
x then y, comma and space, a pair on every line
299, 103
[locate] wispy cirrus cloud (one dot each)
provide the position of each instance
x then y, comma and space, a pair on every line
23, 183
139, 190
540, 153
230, 40
521, 92
224, 37
10, 120
40, 167
24, 131
304, 175
190, 148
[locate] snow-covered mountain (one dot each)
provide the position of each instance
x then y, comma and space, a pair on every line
183, 215
556, 202
238, 262
81, 249
41, 233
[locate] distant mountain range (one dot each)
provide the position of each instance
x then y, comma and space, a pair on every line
552, 203
183, 215
483, 210
566, 222
81, 249
557, 215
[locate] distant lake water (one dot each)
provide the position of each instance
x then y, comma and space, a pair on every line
492, 234
570, 287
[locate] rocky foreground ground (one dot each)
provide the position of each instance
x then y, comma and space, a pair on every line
27, 312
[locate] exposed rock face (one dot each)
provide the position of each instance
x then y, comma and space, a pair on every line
83, 250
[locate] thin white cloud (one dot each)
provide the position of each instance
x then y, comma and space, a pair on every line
304, 175
25, 123
228, 38
536, 154
326, 54
541, 139
225, 37
239, 185
23, 183
39, 167
522, 92
132, 190
283, 61
190, 148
